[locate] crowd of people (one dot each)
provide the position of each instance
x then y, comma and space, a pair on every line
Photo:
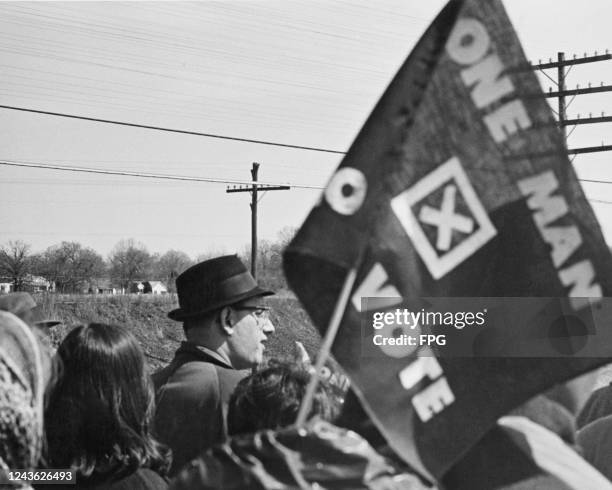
92, 407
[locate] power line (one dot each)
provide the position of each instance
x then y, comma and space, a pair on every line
184, 177
600, 201
596, 181
181, 131
154, 176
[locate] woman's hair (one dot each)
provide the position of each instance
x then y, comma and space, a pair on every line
271, 398
98, 421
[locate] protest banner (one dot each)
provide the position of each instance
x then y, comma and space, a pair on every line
458, 185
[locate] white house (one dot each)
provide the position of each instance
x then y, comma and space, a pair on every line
37, 284
156, 287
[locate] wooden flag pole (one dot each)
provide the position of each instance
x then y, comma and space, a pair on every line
326, 345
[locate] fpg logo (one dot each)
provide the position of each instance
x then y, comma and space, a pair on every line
444, 218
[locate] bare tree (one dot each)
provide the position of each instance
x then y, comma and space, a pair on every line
15, 262
169, 266
71, 266
129, 261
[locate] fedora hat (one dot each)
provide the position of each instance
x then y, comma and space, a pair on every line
213, 284
23, 305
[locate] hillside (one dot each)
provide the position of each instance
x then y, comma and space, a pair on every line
145, 315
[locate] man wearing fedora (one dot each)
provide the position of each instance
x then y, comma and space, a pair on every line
226, 324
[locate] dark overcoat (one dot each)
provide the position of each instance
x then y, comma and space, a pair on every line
192, 395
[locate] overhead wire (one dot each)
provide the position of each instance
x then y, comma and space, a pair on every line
105, 27
138, 88
275, 61
193, 109
600, 201
136, 33
141, 35
146, 104
170, 130
596, 181
155, 176
192, 45
200, 179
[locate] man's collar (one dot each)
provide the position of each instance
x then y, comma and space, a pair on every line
190, 347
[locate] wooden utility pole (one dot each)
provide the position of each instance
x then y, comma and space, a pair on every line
254, 171
253, 190
561, 84
563, 92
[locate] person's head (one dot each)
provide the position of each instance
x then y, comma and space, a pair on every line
237, 331
23, 305
221, 307
99, 417
22, 385
271, 399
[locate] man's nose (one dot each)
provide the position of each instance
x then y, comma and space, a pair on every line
268, 326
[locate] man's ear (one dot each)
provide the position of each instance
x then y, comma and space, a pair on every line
226, 320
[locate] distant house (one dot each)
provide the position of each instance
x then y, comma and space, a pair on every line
37, 284
148, 287
103, 286
29, 282
155, 287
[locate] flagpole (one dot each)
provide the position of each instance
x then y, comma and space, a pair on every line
326, 345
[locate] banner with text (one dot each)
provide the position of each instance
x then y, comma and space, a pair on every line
457, 185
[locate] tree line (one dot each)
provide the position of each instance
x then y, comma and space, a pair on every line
74, 268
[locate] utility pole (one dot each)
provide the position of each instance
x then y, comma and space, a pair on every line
563, 92
253, 190
561, 84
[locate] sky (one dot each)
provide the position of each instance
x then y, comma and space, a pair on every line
303, 73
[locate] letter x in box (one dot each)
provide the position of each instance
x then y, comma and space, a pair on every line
444, 218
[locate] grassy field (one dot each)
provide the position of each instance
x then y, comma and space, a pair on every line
145, 316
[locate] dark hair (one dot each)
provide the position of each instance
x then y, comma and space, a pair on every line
99, 417
271, 398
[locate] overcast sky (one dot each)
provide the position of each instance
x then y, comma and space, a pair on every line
297, 72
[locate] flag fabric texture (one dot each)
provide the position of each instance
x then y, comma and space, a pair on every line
318, 455
458, 185
519, 454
